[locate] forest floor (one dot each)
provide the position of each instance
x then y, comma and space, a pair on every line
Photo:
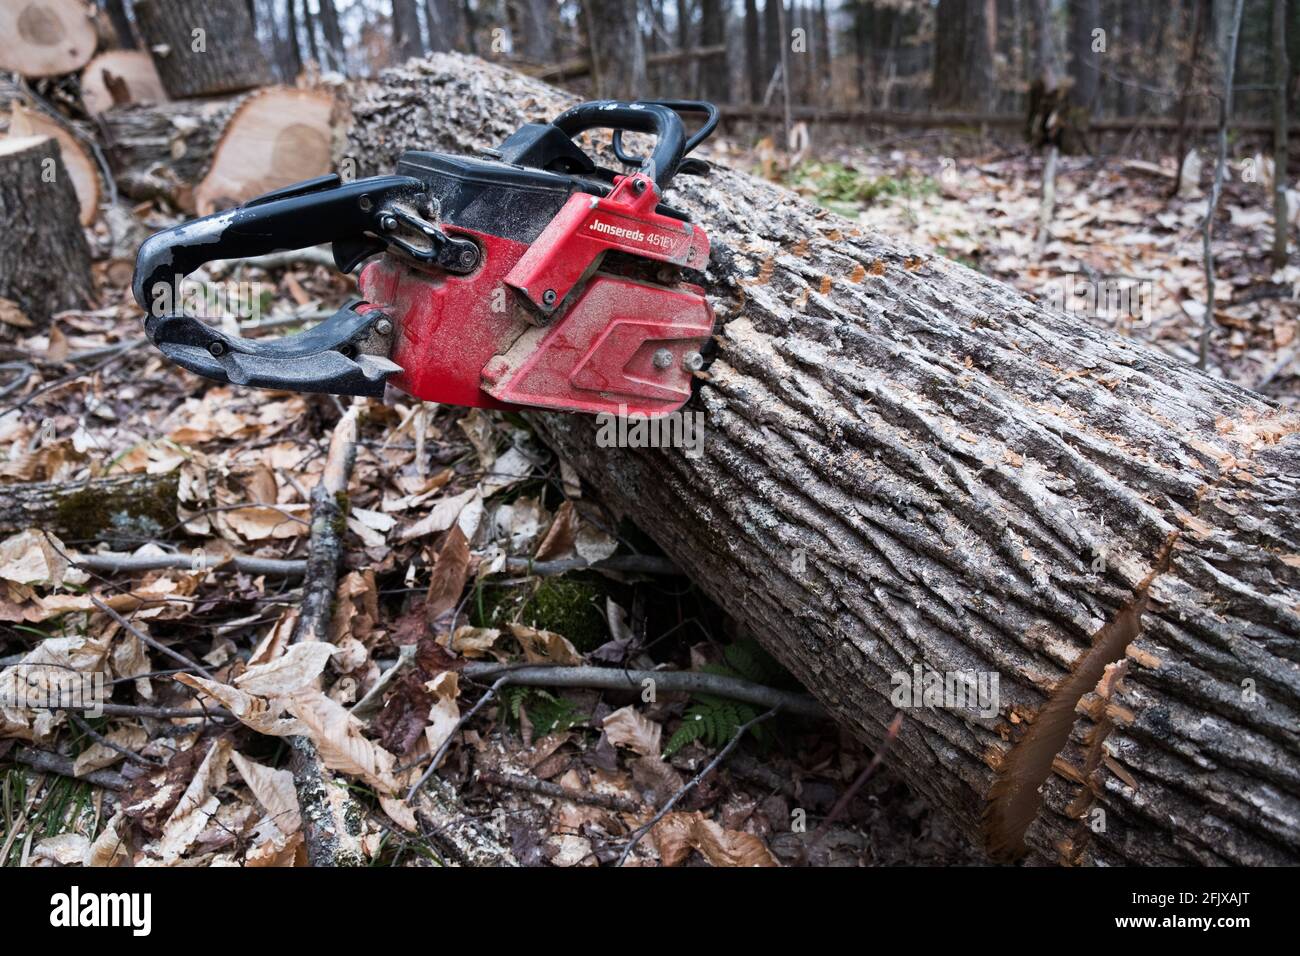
440, 500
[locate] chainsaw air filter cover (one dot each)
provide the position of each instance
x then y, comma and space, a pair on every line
533, 278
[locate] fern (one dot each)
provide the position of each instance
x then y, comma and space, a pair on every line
546, 712
714, 720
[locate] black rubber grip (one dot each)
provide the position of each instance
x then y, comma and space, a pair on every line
666, 125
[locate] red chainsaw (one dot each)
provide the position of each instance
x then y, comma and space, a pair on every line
533, 278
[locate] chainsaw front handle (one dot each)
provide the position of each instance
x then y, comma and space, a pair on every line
344, 355
642, 117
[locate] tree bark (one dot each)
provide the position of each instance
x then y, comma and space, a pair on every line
44, 258
406, 29
223, 58
86, 510
753, 56
907, 464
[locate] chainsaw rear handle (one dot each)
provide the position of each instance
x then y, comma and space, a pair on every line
662, 121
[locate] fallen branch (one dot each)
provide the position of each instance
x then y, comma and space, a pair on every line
609, 678
47, 761
331, 819
546, 788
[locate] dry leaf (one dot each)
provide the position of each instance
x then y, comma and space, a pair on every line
545, 647
679, 833
273, 790
626, 727
337, 736
299, 666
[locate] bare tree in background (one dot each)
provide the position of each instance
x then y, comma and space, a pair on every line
1216, 188
619, 48
963, 56
1280, 152
1085, 61
407, 40
753, 52
329, 22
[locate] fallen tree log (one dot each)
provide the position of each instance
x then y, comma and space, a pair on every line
910, 470
86, 510
202, 47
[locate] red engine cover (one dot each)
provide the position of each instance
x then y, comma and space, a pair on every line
470, 340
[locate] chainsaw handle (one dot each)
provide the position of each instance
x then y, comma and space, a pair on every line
655, 118
711, 117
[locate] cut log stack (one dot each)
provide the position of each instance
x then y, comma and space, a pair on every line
45, 37
909, 468
44, 258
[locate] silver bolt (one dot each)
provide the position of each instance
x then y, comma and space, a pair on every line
383, 326
548, 297
387, 223
692, 361
467, 257
663, 358
216, 348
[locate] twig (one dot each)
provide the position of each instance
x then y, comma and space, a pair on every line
442, 750
99, 738
545, 788
842, 804
47, 761
609, 678
694, 781
158, 646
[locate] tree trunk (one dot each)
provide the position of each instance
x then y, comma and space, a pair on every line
45, 37
753, 55
619, 49
1281, 221
907, 464
714, 74
329, 21
1085, 62
963, 57
202, 47
121, 24
772, 39
406, 29
44, 259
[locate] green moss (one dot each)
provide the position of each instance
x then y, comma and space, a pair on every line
570, 606
117, 507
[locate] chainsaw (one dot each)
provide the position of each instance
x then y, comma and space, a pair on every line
533, 278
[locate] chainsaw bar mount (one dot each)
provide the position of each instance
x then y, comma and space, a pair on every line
533, 278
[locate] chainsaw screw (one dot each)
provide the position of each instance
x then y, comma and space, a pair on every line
548, 297
663, 358
468, 257
365, 203
383, 326
387, 223
638, 186
692, 361
216, 348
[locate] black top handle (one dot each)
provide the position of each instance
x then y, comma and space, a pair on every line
711, 117
655, 118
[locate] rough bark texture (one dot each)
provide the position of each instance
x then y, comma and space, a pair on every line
907, 463
83, 510
163, 150
227, 59
44, 259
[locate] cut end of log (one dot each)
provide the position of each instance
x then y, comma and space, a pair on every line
25, 123
120, 77
277, 137
45, 37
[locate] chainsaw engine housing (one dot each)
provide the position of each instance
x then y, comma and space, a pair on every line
532, 279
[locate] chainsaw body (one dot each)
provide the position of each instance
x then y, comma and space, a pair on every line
531, 279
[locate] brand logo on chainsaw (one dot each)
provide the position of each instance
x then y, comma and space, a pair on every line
657, 239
